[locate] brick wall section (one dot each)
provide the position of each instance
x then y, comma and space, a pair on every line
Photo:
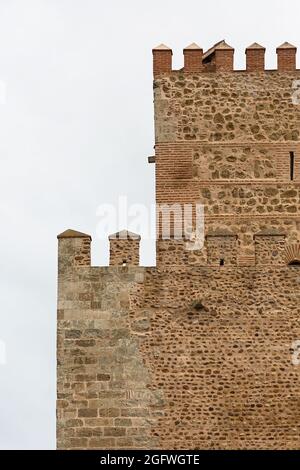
162, 61
193, 60
255, 60
286, 59
239, 163
224, 60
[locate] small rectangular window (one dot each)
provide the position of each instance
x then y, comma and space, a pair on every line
292, 164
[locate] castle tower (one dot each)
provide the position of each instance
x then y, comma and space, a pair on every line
197, 352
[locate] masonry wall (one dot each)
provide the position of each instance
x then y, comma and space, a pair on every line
102, 385
195, 354
187, 357
224, 140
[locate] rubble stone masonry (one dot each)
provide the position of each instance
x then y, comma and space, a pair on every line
195, 353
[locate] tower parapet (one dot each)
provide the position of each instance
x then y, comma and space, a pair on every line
220, 58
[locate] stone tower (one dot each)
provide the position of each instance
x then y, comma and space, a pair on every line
198, 352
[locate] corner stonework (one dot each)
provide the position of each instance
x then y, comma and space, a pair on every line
104, 395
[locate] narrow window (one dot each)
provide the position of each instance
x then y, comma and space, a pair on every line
222, 262
292, 164
124, 263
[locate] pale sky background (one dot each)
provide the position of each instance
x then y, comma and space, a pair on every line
76, 128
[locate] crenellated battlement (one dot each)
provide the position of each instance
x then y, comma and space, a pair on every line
74, 249
220, 58
269, 247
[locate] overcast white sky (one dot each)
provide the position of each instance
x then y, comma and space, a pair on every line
76, 128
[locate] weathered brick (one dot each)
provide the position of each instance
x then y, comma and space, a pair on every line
87, 413
114, 432
74, 423
101, 443
85, 343
109, 412
103, 377
78, 442
135, 412
84, 432
123, 422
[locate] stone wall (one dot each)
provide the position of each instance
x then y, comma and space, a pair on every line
219, 347
226, 107
222, 250
196, 353
269, 249
104, 400
180, 357
124, 249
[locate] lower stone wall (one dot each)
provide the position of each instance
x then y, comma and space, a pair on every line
220, 349
102, 385
178, 358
